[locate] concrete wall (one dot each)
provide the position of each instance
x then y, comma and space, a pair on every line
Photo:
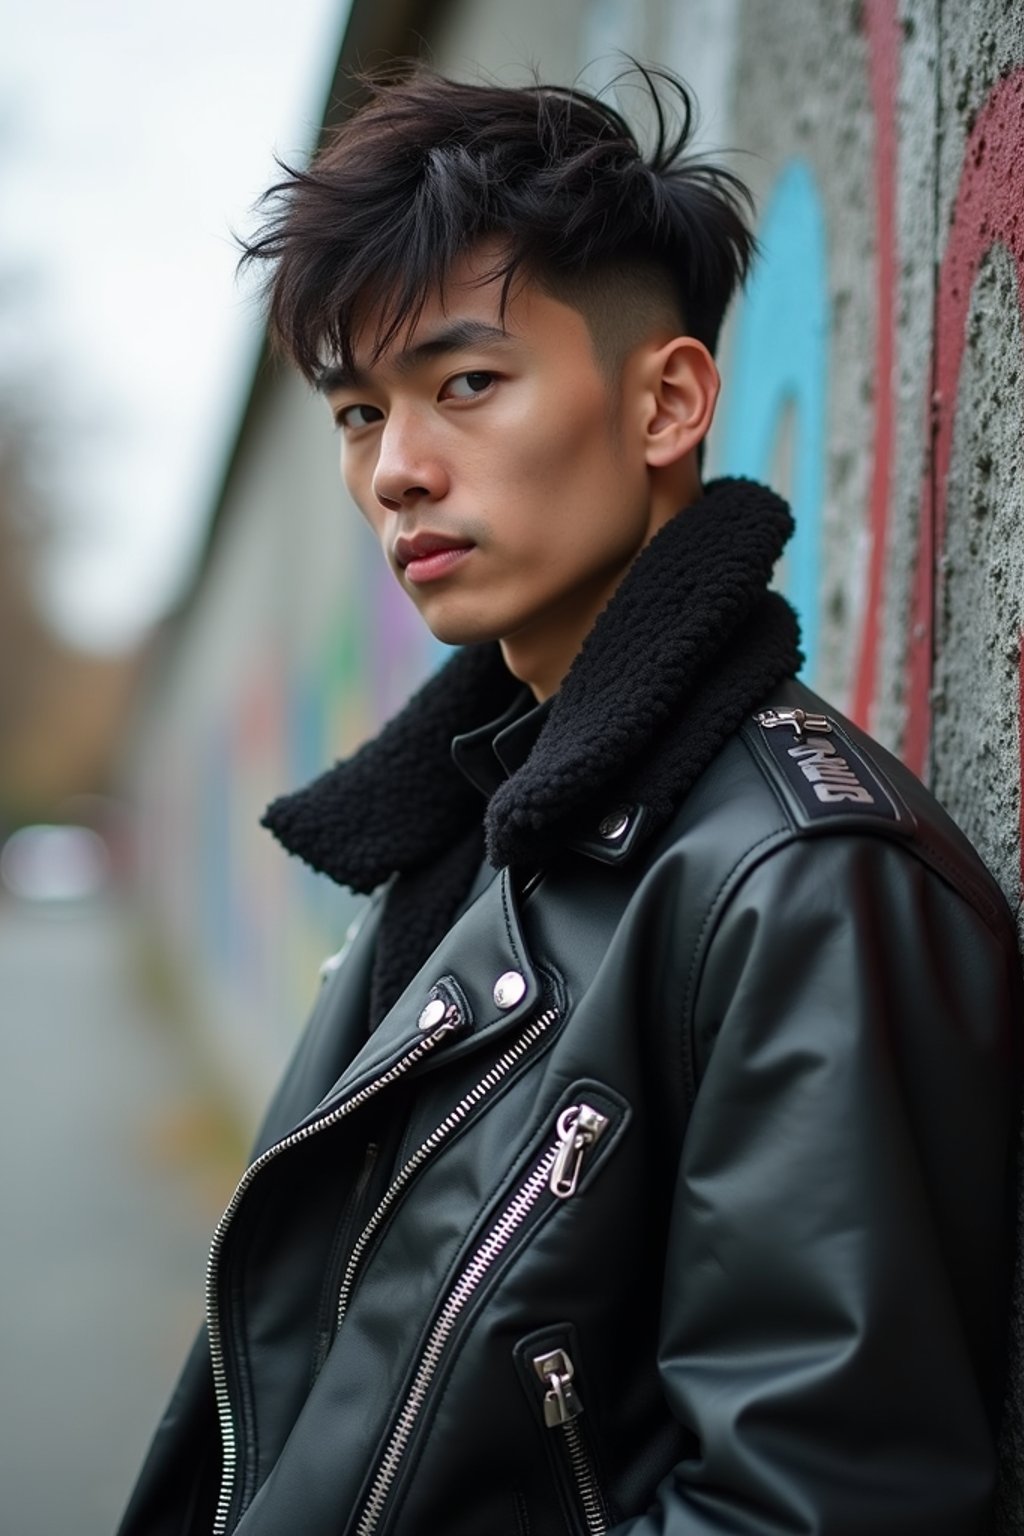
894, 133
873, 371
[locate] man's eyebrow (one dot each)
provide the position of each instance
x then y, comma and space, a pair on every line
455, 337
339, 377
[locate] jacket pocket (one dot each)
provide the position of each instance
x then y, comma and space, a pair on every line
547, 1363
579, 1136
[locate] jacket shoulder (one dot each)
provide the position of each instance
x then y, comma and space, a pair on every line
927, 829
799, 770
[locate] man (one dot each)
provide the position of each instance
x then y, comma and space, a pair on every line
644, 1165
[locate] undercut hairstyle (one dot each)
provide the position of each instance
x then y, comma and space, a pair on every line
555, 179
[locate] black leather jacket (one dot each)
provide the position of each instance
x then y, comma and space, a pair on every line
696, 1216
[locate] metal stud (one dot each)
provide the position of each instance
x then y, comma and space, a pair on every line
509, 989
433, 1013
615, 825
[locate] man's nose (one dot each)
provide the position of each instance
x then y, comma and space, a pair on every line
409, 469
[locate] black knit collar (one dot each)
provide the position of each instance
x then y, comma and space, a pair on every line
690, 640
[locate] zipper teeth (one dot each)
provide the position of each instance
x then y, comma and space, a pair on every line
490, 1080
220, 1381
586, 1483
490, 1249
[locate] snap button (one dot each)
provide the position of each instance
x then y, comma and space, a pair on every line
433, 1013
509, 989
615, 825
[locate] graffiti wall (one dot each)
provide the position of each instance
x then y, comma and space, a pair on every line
873, 371
881, 338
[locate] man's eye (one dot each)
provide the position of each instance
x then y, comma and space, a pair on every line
353, 416
465, 385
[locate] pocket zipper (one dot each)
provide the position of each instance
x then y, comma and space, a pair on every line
562, 1410
578, 1128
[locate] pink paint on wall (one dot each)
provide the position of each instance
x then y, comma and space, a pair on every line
989, 211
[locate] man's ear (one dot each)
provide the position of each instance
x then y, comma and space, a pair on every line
682, 385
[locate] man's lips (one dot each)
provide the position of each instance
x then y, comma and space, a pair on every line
425, 556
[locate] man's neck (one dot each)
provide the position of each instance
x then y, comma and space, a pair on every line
541, 655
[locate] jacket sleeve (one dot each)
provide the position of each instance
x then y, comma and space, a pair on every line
834, 1290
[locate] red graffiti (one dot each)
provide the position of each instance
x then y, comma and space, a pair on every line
989, 211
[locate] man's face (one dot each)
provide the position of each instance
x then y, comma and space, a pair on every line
502, 471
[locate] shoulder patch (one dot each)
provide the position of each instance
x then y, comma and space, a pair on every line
826, 775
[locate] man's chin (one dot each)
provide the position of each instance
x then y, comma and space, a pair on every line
460, 629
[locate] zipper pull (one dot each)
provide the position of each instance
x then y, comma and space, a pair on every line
561, 1400
579, 1127
798, 720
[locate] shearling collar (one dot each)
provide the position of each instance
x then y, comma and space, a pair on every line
689, 642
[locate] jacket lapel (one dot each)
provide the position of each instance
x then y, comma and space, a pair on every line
485, 978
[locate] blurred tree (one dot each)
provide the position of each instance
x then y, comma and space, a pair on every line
26, 643
61, 711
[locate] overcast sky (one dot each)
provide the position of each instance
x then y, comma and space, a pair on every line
133, 137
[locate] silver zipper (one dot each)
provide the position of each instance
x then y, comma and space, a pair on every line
483, 1260
422, 1048
798, 720
490, 1080
578, 1129
562, 1409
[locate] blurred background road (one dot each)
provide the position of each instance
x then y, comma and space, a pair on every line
114, 1165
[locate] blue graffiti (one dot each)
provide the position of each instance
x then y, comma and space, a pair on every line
779, 368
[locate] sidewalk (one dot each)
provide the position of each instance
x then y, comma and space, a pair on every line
115, 1167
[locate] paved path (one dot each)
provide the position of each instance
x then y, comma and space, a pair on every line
113, 1169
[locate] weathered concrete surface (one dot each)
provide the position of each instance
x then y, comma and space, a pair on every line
980, 592
114, 1169
802, 93
979, 492
912, 150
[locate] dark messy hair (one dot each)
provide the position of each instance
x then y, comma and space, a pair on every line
428, 167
